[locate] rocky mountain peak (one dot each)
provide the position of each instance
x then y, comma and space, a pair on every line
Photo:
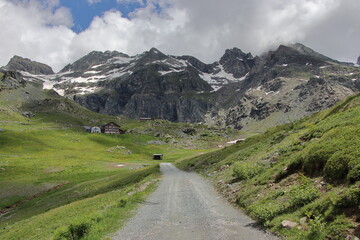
18, 63
237, 62
294, 54
358, 60
286, 50
308, 51
206, 68
153, 54
92, 59
232, 54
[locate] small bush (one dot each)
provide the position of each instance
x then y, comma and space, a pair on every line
73, 232
122, 203
316, 228
316, 158
303, 194
278, 138
311, 135
321, 206
336, 168
354, 174
349, 198
266, 211
338, 229
246, 170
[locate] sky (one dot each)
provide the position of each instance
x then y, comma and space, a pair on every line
58, 32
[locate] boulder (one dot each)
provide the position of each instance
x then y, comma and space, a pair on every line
303, 220
288, 224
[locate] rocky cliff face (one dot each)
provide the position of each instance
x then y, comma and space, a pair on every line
24, 64
239, 90
358, 61
151, 89
11, 80
236, 62
284, 85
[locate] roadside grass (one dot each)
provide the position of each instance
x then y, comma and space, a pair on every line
94, 217
307, 172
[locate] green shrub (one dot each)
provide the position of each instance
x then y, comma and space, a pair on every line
338, 229
278, 138
266, 211
311, 135
246, 170
336, 168
349, 198
321, 206
122, 203
73, 232
303, 194
316, 158
354, 174
316, 228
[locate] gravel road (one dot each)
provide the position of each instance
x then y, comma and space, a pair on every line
185, 206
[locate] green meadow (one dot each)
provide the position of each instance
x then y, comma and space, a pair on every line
59, 182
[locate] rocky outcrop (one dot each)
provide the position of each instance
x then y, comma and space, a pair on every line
237, 62
285, 84
358, 61
11, 80
92, 59
145, 94
197, 64
309, 52
24, 64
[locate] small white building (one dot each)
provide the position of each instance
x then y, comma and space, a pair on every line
95, 129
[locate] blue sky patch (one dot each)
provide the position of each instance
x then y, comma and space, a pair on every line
83, 12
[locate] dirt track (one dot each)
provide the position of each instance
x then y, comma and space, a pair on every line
185, 206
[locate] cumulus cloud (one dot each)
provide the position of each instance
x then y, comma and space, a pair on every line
36, 30
203, 28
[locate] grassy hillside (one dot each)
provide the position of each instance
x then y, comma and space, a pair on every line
58, 181
301, 180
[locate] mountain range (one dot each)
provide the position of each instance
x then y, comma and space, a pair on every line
239, 90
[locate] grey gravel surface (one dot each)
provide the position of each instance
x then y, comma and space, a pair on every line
185, 206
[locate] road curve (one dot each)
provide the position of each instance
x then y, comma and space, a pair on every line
185, 206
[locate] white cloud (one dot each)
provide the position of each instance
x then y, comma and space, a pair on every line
93, 1
141, 2
34, 30
203, 28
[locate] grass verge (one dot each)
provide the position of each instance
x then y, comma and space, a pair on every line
305, 173
93, 217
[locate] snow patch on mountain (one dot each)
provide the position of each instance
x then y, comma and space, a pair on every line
171, 71
220, 78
